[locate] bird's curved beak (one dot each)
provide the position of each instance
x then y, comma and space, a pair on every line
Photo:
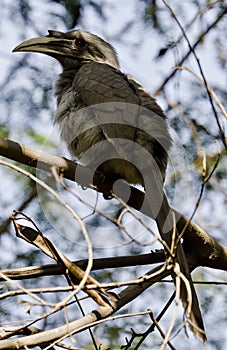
46, 45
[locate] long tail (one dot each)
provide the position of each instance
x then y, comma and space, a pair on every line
163, 214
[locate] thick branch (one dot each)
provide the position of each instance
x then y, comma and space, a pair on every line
208, 251
98, 264
201, 249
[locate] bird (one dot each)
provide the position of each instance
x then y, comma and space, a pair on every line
111, 124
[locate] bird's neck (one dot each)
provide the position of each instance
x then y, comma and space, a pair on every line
65, 81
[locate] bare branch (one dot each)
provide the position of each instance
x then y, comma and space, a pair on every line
98, 264
99, 315
73, 273
211, 91
196, 43
209, 252
192, 50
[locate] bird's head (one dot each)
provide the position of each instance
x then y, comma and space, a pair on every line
73, 47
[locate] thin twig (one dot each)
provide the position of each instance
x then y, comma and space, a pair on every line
192, 50
161, 331
196, 43
25, 291
66, 205
219, 103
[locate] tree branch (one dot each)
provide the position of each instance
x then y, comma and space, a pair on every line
98, 264
196, 43
97, 316
208, 251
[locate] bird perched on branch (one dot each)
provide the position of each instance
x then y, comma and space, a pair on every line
111, 124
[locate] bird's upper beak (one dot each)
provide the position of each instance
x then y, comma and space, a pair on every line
47, 45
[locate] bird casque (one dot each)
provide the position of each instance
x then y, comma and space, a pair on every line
110, 123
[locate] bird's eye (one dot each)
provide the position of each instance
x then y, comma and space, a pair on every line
79, 43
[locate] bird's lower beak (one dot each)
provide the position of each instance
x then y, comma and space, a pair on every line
46, 45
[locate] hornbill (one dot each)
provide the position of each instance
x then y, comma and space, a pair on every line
111, 124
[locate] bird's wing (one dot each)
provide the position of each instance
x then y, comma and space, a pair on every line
115, 103
101, 83
125, 111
